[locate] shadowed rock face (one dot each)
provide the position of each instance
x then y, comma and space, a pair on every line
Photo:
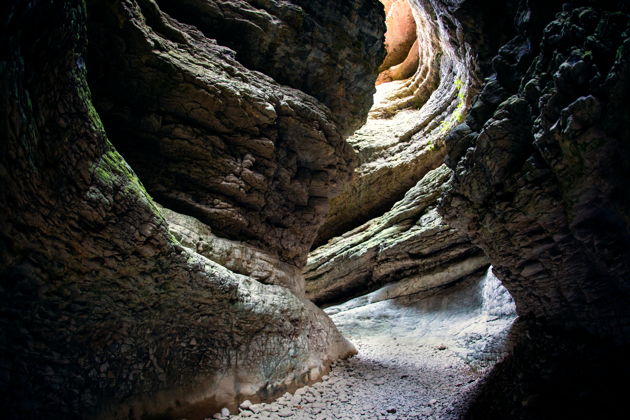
540, 167
254, 160
328, 49
540, 170
104, 312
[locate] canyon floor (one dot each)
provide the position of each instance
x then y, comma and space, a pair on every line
417, 358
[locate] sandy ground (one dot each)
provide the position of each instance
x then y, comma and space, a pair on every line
418, 358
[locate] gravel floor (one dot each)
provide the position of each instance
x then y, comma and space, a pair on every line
385, 381
414, 360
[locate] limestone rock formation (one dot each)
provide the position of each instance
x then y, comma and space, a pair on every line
328, 49
540, 167
104, 313
410, 247
403, 137
252, 159
540, 170
238, 257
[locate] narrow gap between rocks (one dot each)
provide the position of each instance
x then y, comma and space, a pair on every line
430, 329
422, 349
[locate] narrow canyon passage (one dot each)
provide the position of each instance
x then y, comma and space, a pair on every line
314, 209
418, 357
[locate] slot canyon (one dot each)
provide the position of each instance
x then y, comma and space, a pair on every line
314, 209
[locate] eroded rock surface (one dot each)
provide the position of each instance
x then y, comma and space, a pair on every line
540, 168
403, 137
540, 171
410, 246
328, 49
255, 160
104, 313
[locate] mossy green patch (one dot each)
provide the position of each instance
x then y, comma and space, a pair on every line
457, 116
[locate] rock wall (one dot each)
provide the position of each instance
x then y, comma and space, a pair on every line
254, 160
403, 137
540, 166
104, 314
406, 251
384, 228
539, 184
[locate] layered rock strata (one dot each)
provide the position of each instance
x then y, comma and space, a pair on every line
403, 137
540, 170
407, 250
254, 160
104, 313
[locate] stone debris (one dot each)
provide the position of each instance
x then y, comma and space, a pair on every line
402, 373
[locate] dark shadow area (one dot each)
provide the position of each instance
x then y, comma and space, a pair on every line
555, 374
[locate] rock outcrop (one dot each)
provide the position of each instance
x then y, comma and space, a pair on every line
408, 250
328, 49
540, 167
254, 160
104, 312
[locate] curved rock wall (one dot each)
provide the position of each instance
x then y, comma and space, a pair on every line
540, 168
254, 160
399, 181
328, 49
539, 184
103, 312
403, 137
407, 250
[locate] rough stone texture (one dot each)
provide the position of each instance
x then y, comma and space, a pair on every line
540, 184
328, 49
409, 246
419, 357
237, 256
540, 180
254, 160
103, 312
403, 137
